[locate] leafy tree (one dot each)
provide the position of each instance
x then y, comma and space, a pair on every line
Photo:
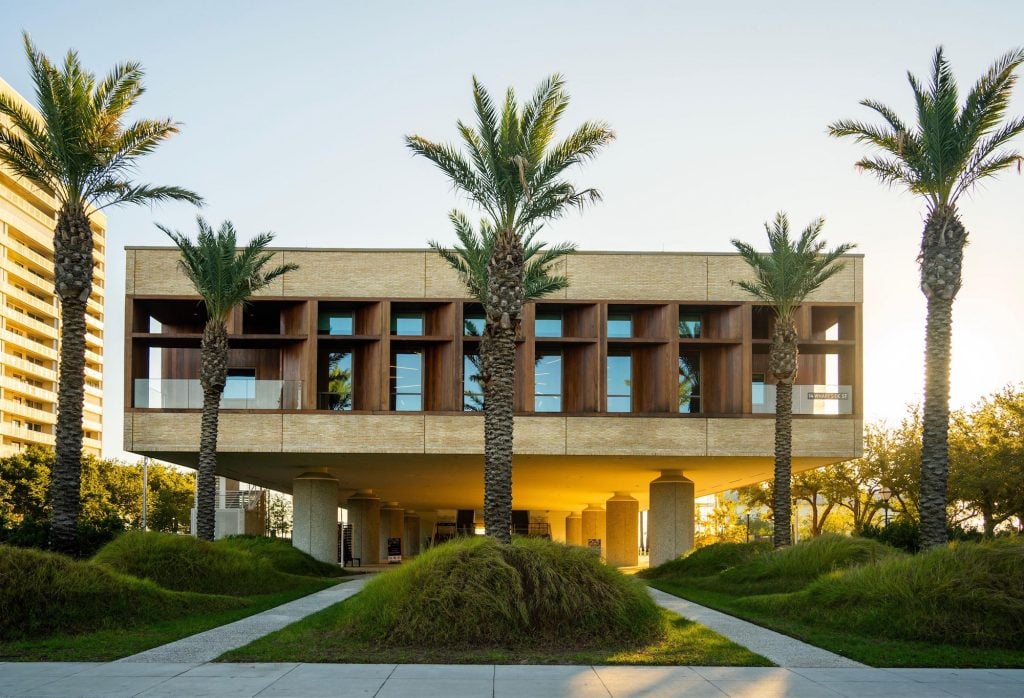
514, 173
279, 514
225, 278
79, 148
949, 150
783, 278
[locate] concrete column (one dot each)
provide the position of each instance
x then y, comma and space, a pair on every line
364, 515
623, 530
671, 517
411, 534
315, 515
574, 529
593, 526
392, 525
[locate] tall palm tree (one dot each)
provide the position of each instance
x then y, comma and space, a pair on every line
783, 278
79, 148
225, 278
945, 154
514, 172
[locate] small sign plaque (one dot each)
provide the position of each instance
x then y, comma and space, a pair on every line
394, 550
594, 545
828, 396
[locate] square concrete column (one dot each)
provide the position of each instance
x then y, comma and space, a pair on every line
593, 526
623, 530
315, 515
670, 519
364, 515
574, 529
392, 525
411, 534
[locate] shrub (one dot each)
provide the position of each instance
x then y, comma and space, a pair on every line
44, 593
184, 563
901, 533
707, 561
282, 556
478, 593
964, 594
93, 534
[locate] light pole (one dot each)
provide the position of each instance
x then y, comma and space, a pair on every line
886, 495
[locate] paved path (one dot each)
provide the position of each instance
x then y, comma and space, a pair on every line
150, 679
778, 648
207, 646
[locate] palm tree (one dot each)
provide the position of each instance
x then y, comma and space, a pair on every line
944, 155
78, 148
783, 278
225, 278
514, 173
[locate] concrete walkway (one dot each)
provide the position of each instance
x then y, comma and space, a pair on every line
149, 679
207, 646
778, 648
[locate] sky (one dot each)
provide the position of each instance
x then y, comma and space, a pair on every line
293, 116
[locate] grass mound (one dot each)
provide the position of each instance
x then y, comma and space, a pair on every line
184, 563
969, 594
282, 556
479, 593
706, 561
44, 593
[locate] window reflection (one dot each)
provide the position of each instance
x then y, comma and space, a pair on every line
547, 372
689, 325
240, 384
472, 385
407, 324
407, 381
339, 381
689, 381
473, 325
620, 383
548, 325
620, 325
335, 323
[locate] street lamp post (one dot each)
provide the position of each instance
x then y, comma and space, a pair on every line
886, 495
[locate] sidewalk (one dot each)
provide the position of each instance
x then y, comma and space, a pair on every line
123, 679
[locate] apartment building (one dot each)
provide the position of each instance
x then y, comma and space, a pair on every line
352, 384
30, 318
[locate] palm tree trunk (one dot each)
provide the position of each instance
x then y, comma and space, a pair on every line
497, 357
213, 375
73, 265
941, 259
782, 362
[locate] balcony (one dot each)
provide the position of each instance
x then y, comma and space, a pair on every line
241, 395
807, 399
29, 345
33, 369
26, 434
19, 386
30, 301
31, 413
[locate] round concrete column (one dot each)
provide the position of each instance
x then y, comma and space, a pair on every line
364, 515
574, 529
623, 530
392, 525
593, 528
670, 519
411, 534
315, 515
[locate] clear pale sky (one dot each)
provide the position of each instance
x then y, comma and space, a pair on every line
293, 116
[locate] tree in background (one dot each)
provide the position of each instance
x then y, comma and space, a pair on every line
514, 173
279, 515
945, 154
225, 278
79, 148
783, 278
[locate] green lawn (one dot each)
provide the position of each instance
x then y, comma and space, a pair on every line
873, 650
316, 639
112, 644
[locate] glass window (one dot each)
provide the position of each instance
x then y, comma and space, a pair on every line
339, 381
689, 325
757, 391
406, 323
548, 325
620, 325
335, 323
689, 381
620, 383
241, 384
407, 381
472, 386
547, 383
473, 325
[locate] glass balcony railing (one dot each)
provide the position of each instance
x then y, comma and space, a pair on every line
807, 399
244, 394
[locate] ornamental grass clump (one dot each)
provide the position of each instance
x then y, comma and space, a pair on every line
282, 556
44, 593
707, 561
480, 593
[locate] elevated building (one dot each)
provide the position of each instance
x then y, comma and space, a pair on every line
30, 318
352, 384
